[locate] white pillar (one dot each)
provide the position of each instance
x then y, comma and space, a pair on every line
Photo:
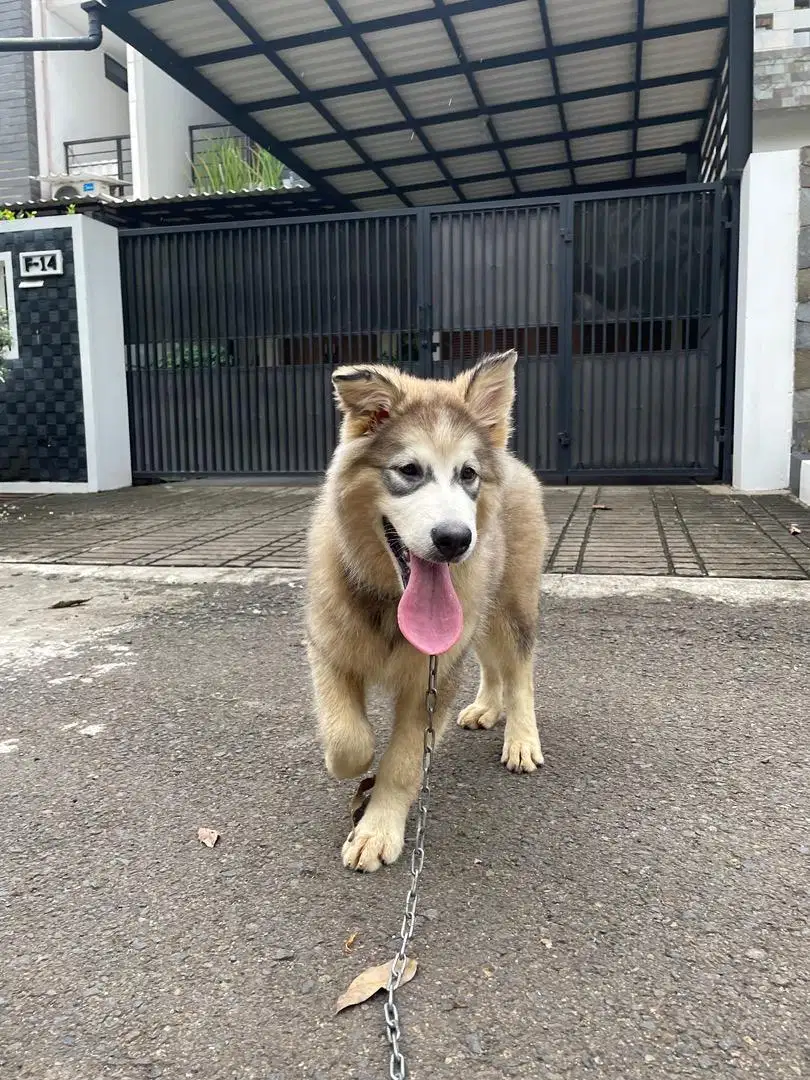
85, 294
766, 322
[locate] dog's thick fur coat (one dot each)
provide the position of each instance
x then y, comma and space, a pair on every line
355, 586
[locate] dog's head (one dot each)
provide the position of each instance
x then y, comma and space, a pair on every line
421, 458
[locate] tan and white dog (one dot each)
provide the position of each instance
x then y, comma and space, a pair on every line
428, 537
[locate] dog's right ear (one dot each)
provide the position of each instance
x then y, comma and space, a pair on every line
365, 395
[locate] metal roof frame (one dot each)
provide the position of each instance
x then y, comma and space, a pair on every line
449, 181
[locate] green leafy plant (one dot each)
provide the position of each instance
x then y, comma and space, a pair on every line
5, 342
196, 354
232, 165
7, 214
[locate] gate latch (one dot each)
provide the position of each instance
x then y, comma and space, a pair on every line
563, 438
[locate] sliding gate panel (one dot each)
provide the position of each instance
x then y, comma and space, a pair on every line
646, 341
496, 284
232, 334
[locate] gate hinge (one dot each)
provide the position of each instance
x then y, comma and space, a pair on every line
566, 234
563, 438
720, 434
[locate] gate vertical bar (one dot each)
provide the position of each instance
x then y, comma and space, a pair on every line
565, 357
424, 290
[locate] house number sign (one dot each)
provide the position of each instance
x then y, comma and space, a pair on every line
39, 264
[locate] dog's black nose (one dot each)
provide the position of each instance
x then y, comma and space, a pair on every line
451, 539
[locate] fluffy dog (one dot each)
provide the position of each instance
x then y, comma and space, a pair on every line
427, 538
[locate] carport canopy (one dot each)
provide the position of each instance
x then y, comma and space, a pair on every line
385, 104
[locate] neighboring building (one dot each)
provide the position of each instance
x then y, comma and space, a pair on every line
66, 117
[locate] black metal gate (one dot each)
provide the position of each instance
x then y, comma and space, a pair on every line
615, 305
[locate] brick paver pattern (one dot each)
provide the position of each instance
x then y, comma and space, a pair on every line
683, 531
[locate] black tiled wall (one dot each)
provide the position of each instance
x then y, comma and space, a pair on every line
41, 414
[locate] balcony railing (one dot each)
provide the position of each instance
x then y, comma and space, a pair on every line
225, 159
110, 156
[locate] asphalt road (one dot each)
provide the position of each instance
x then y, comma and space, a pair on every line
639, 908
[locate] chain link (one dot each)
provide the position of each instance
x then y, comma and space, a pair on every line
393, 1029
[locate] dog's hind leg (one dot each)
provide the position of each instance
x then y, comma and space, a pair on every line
346, 734
379, 836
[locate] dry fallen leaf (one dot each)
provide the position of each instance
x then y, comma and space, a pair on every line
69, 603
348, 944
359, 801
795, 530
546, 941
372, 980
600, 506
208, 836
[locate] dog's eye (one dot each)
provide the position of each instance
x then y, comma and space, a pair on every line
411, 470
468, 474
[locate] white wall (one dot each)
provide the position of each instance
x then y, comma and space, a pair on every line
763, 413
75, 100
791, 26
161, 112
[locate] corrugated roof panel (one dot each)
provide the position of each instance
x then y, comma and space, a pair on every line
209, 28
239, 78
657, 166
329, 156
380, 202
411, 48
516, 125
329, 63
393, 145
364, 110
363, 10
438, 96
673, 99
502, 86
585, 71
594, 112
579, 22
500, 31
544, 181
487, 189
669, 135
548, 153
457, 134
293, 122
663, 13
473, 164
421, 172
347, 183
600, 174
432, 196
615, 142
677, 55
281, 20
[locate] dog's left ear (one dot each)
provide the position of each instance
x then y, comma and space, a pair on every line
489, 390
365, 394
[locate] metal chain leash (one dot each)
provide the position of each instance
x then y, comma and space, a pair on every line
393, 1030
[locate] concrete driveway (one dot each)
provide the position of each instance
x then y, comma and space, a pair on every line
637, 909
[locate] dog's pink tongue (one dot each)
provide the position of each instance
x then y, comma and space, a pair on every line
429, 613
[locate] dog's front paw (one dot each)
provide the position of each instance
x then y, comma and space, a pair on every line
477, 716
368, 848
522, 754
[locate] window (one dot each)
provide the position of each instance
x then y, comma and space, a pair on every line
115, 72
7, 304
801, 5
764, 22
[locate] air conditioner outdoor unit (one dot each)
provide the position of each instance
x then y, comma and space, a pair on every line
80, 186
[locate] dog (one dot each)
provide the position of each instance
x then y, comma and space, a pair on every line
427, 538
